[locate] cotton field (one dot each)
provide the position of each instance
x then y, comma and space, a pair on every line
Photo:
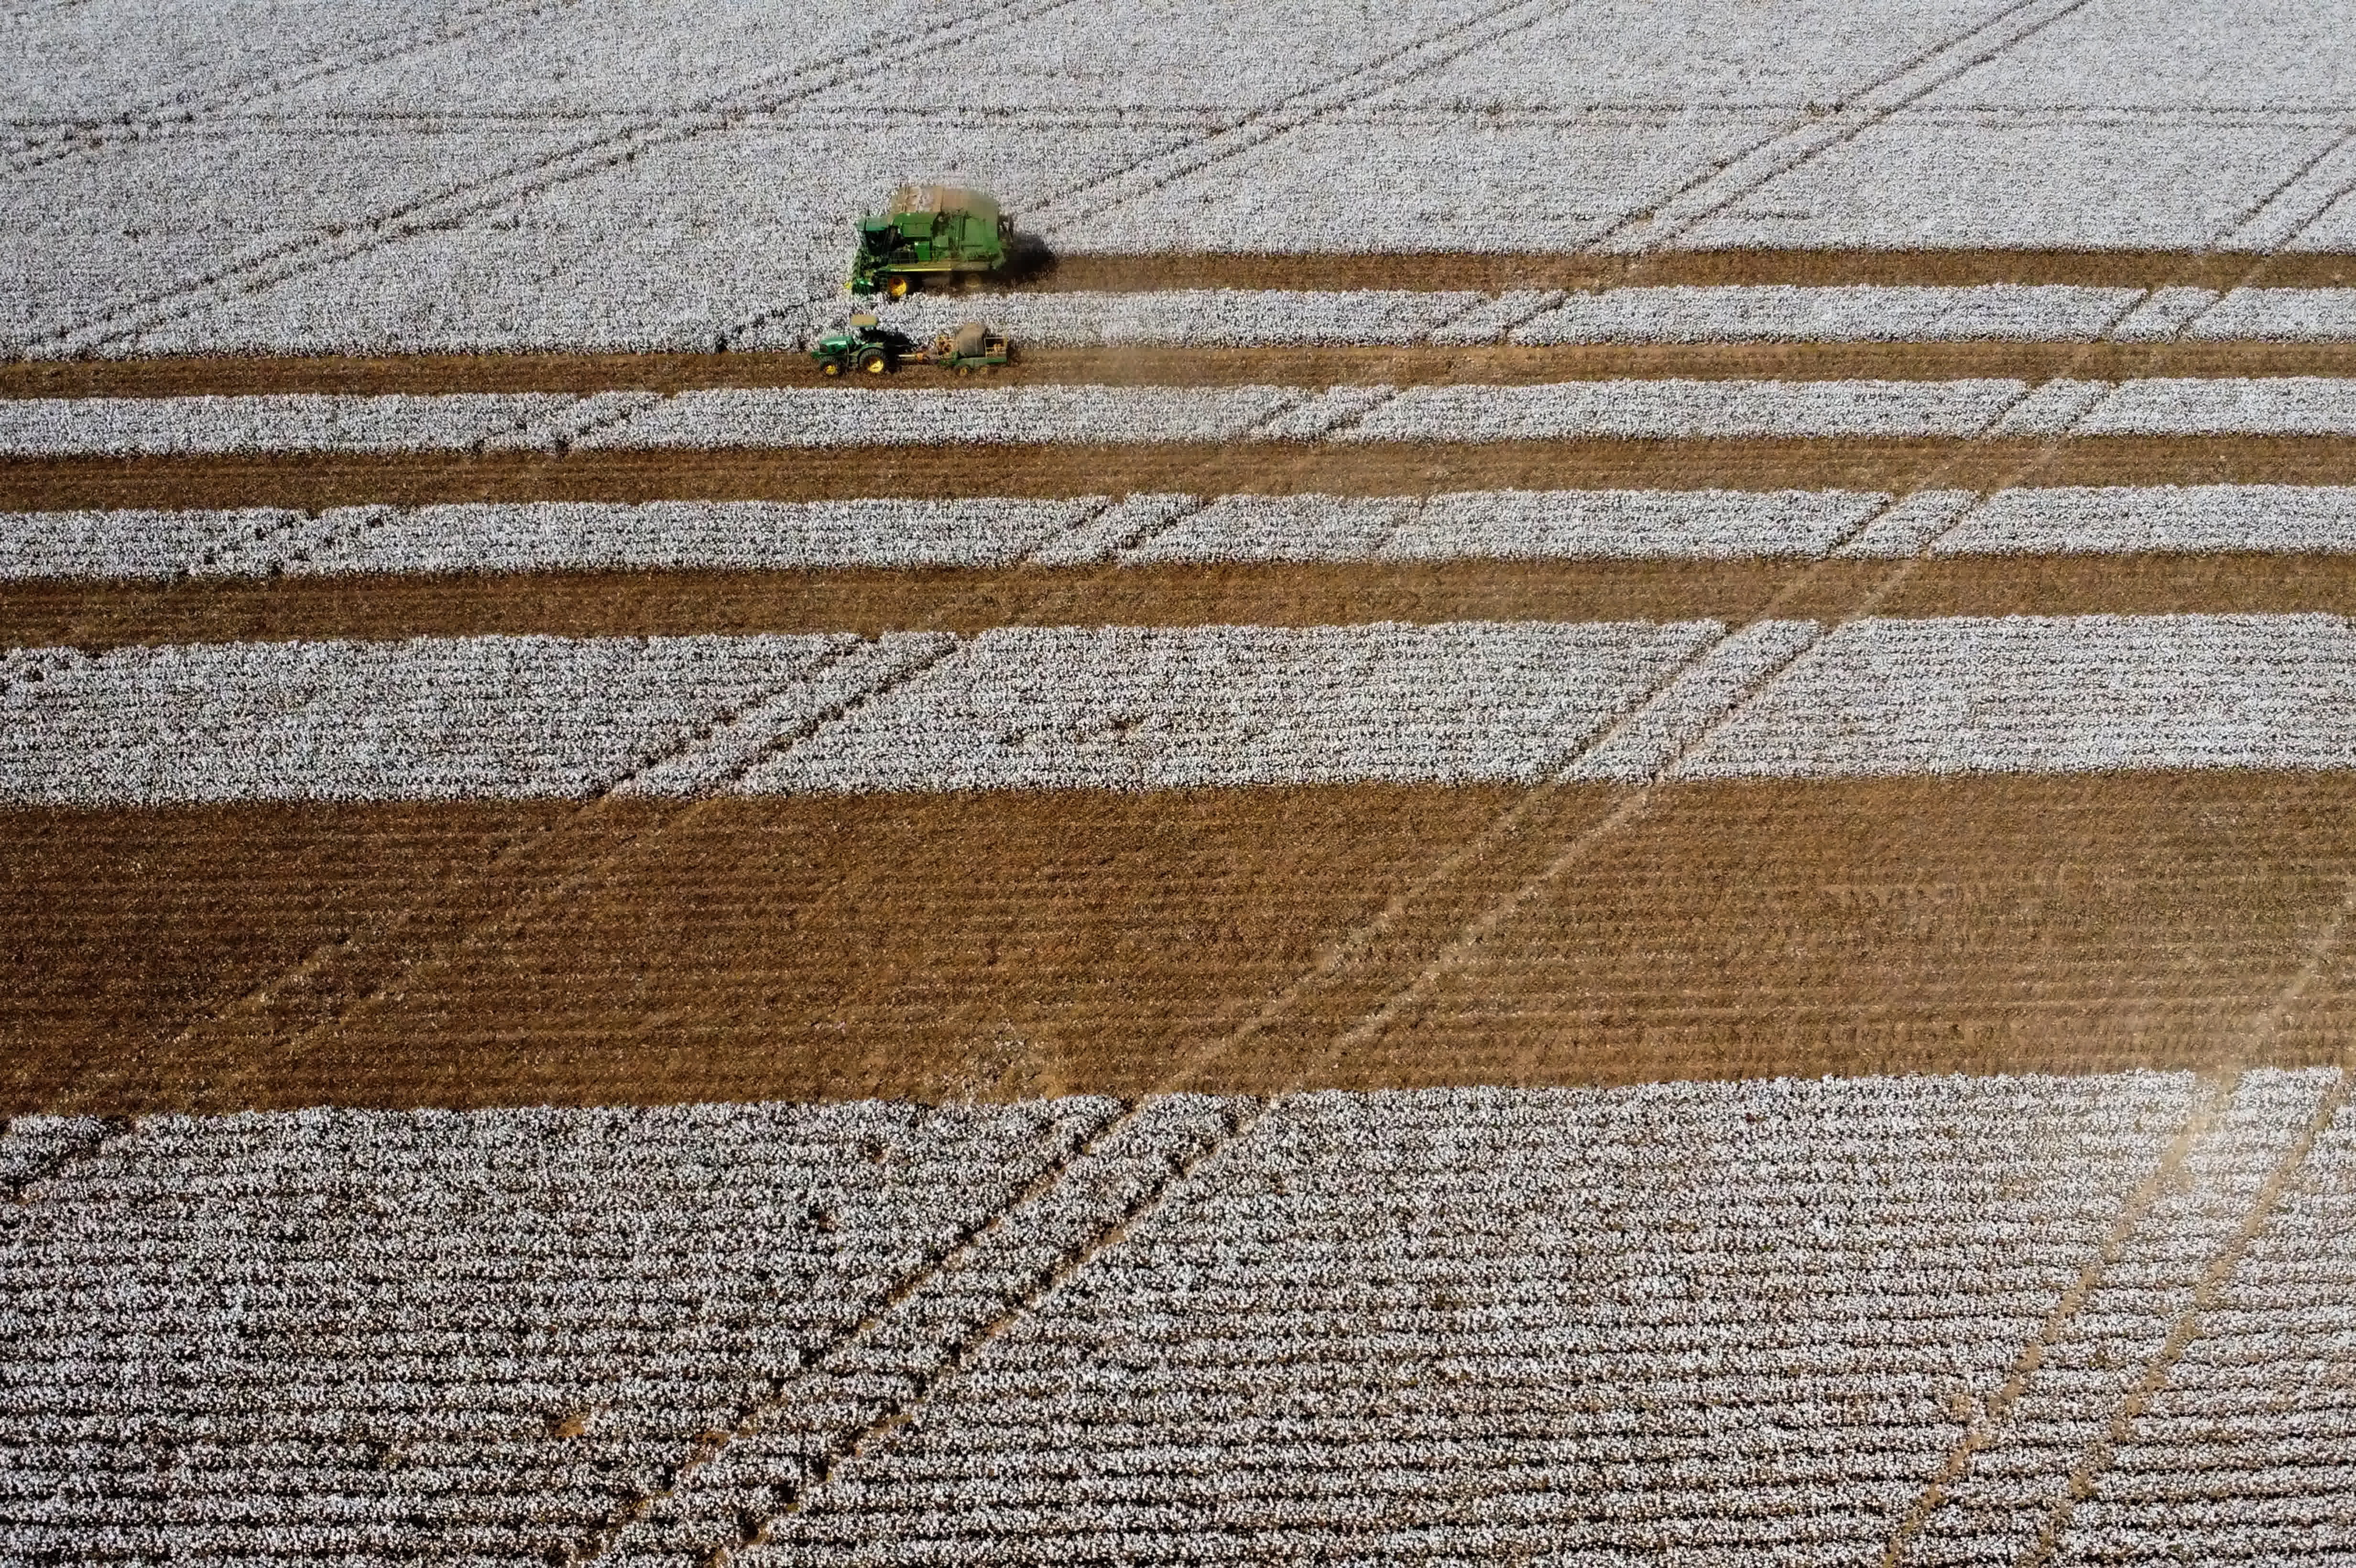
1148, 709
1692, 1320
1793, 559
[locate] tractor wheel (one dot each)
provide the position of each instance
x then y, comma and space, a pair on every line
898, 286
829, 368
964, 370
873, 362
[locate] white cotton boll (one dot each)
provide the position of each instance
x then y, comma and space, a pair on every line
1782, 313
2279, 405
2059, 694
120, 546
741, 536
2160, 520
1672, 409
1124, 707
133, 427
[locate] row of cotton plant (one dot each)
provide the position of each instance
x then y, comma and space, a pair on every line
1131, 708
300, 421
408, 1337
428, 719
2061, 694
1736, 1318
1140, 529
766, 418
1154, 708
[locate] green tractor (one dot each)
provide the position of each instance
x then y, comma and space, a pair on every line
864, 345
860, 344
932, 232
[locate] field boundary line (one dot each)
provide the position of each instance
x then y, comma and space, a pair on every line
1695, 202
2218, 1272
593, 1547
762, 92
2209, 1096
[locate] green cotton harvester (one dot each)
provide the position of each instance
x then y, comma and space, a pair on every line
932, 232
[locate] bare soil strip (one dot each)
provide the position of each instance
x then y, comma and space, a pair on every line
1164, 365
871, 602
303, 481
1494, 274
1011, 945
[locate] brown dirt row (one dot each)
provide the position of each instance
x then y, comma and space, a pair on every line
661, 603
1413, 365
1012, 944
1492, 272
1370, 468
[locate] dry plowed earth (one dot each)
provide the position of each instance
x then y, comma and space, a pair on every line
1009, 944
1271, 467
1402, 365
1012, 944
871, 601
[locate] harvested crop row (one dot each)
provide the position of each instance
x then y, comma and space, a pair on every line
1138, 530
720, 419
1141, 707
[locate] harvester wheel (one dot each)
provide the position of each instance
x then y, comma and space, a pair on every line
897, 285
963, 369
873, 362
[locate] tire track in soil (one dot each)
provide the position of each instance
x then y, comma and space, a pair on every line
271, 1020
2211, 1095
1309, 366
142, 119
765, 92
2214, 1278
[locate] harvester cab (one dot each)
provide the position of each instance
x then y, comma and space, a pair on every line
931, 232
